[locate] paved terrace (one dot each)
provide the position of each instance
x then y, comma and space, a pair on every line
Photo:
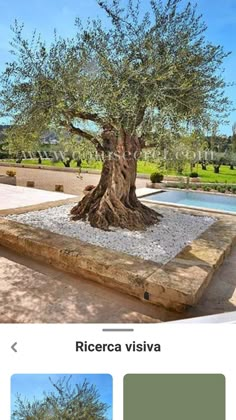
47, 179
31, 292
12, 197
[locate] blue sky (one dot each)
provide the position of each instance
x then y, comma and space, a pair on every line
45, 15
30, 386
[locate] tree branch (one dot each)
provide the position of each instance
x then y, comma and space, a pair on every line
143, 144
88, 136
84, 116
91, 117
140, 116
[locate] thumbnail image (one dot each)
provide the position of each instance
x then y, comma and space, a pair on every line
61, 397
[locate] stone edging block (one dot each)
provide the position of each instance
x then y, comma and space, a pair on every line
175, 285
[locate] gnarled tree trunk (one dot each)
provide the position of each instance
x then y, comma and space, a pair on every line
113, 202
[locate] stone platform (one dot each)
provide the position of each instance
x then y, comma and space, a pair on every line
176, 285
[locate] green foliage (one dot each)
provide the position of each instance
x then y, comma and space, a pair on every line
193, 175
64, 402
230, 158
3, 152
206, 188
66, 150
172, 185
156, 177
182, 186
148, 168
221, 189
183, 149
4, 155
87, 151
233, 140
144, 75
18, 139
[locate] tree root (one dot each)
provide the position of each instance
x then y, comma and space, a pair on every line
107, 210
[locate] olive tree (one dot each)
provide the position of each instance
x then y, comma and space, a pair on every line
109, 84
64, 402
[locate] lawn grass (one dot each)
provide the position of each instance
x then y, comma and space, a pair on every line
226, 175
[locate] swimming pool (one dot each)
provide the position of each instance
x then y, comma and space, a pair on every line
203, 201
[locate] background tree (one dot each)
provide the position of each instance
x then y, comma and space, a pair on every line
117, 79
19, 141
217, 161
3, 152
230, 159
81, 402
186, 151
233, 140
67, 148
88, 152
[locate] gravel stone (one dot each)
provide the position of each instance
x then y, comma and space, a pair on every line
159, 243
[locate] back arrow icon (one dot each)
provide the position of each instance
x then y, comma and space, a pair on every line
13, 347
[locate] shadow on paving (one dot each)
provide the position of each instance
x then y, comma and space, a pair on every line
31, 292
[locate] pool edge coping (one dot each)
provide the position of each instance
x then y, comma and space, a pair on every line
182, 206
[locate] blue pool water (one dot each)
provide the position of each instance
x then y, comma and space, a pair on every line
196, 199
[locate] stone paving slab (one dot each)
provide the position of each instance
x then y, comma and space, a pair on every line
34, 293
178, 284
37, 207
12, 197
220, 295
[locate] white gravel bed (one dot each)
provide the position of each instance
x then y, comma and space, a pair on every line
159, 243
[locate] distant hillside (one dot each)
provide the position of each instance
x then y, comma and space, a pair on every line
47, 138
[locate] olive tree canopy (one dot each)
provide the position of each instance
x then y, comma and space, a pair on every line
63, 402
109, 85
